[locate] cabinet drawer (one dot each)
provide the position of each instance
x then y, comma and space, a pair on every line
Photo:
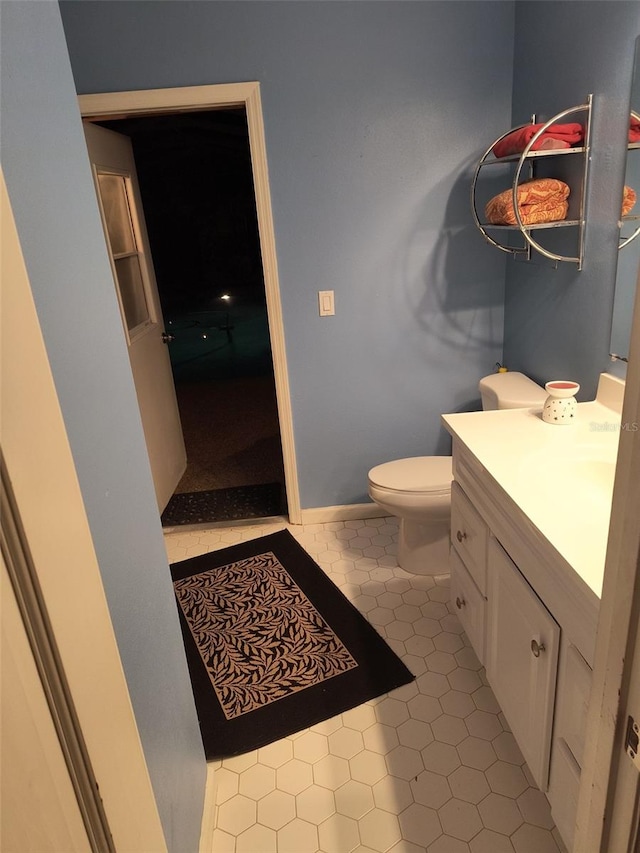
564, 789
470, 605
469, 535
522, 659
574, 689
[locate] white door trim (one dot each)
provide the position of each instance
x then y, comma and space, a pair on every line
112, 105
609, 781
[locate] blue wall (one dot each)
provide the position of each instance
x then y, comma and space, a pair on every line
46, 168
557, 322
374, 114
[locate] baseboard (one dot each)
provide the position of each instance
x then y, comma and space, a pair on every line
347, 512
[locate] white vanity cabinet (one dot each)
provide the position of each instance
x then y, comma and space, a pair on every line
531, 625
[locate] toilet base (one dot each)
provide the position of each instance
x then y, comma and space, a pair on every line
423, 549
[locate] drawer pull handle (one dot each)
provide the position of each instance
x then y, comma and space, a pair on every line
536, 648
460, 603
460, 536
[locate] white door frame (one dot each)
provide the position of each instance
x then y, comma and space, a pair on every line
112, 105
609, 780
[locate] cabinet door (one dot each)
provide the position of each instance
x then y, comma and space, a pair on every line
564, 790
574, 690
469, 603
522, 659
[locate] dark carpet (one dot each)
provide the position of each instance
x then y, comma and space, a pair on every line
231, 433
235, 503
272, 644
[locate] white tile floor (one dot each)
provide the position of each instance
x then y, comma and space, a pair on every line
430, 767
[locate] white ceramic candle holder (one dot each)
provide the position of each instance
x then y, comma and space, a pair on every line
560, 407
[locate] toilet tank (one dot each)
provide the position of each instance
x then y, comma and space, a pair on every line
510, 390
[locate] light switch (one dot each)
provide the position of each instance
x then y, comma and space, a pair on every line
326, 304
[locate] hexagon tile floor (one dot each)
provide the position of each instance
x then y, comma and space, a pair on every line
430, 767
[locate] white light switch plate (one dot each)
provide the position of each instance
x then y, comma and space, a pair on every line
326, 304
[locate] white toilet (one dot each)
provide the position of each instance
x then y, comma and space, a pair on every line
418, 490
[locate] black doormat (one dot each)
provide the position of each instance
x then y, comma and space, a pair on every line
230, 504
272, 644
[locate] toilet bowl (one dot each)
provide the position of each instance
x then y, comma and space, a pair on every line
417, 490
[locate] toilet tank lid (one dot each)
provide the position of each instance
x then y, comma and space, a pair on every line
416, 474
514, 389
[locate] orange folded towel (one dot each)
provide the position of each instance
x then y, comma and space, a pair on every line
540, 200
634, 129
628, 200
556, 136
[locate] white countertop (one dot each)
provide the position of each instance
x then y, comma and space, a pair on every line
561, 477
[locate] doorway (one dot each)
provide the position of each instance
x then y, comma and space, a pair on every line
231, 336
196, 182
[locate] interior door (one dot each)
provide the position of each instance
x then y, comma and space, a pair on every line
111, 156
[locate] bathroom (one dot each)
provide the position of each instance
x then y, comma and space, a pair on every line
369, 164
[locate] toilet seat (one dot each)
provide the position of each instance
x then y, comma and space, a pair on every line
419, 474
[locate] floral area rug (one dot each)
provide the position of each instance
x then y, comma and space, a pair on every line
272, 644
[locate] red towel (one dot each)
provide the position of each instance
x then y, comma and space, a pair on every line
634, 129
517, 141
